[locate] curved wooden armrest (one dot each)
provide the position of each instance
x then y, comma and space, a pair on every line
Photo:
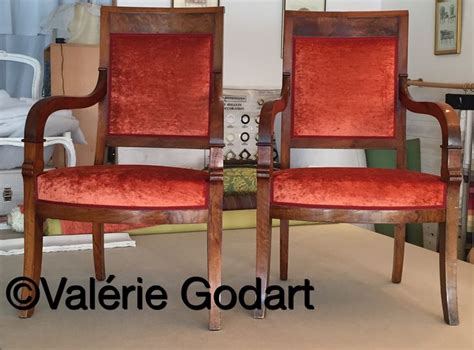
41, 110
38, 115
266, 126
450, 128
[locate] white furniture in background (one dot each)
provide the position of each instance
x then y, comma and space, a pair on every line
64, 140
11, 182
33, 62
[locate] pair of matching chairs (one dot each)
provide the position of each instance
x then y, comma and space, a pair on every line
160, 85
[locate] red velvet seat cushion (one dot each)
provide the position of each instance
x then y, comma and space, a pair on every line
358, 188
125, 186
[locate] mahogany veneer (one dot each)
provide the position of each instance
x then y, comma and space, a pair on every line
340, 27
152, 22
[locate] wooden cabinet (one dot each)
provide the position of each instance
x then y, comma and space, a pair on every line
74, 72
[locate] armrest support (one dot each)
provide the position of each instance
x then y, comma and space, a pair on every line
216, 133
266, 127
451, 133
216, 164
39, 114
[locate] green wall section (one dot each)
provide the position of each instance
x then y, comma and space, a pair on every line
387, 159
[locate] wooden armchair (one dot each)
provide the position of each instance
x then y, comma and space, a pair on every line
341, 73
160, 85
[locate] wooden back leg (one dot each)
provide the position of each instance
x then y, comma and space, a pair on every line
98, 250
448, 241
398, 252
284, 243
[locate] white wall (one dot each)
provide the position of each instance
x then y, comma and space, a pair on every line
144, 3
252, 43
353, 5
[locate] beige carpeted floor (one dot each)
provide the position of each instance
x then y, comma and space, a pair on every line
356, 305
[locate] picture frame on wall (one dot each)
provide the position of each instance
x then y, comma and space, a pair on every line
195, 3
299, 5
448, 16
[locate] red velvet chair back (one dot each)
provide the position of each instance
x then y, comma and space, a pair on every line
160, 84
344, 71
164, 70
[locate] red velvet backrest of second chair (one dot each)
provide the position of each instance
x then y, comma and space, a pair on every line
159, 84
344, 87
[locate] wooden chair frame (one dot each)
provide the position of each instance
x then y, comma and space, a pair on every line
137, 20
350, 24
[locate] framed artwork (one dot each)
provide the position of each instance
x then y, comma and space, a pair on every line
448, 27
194, 3
299, 5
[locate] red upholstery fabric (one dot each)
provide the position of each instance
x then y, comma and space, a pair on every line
359, 188
77, 227
344, 87
125, 186
160, 84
